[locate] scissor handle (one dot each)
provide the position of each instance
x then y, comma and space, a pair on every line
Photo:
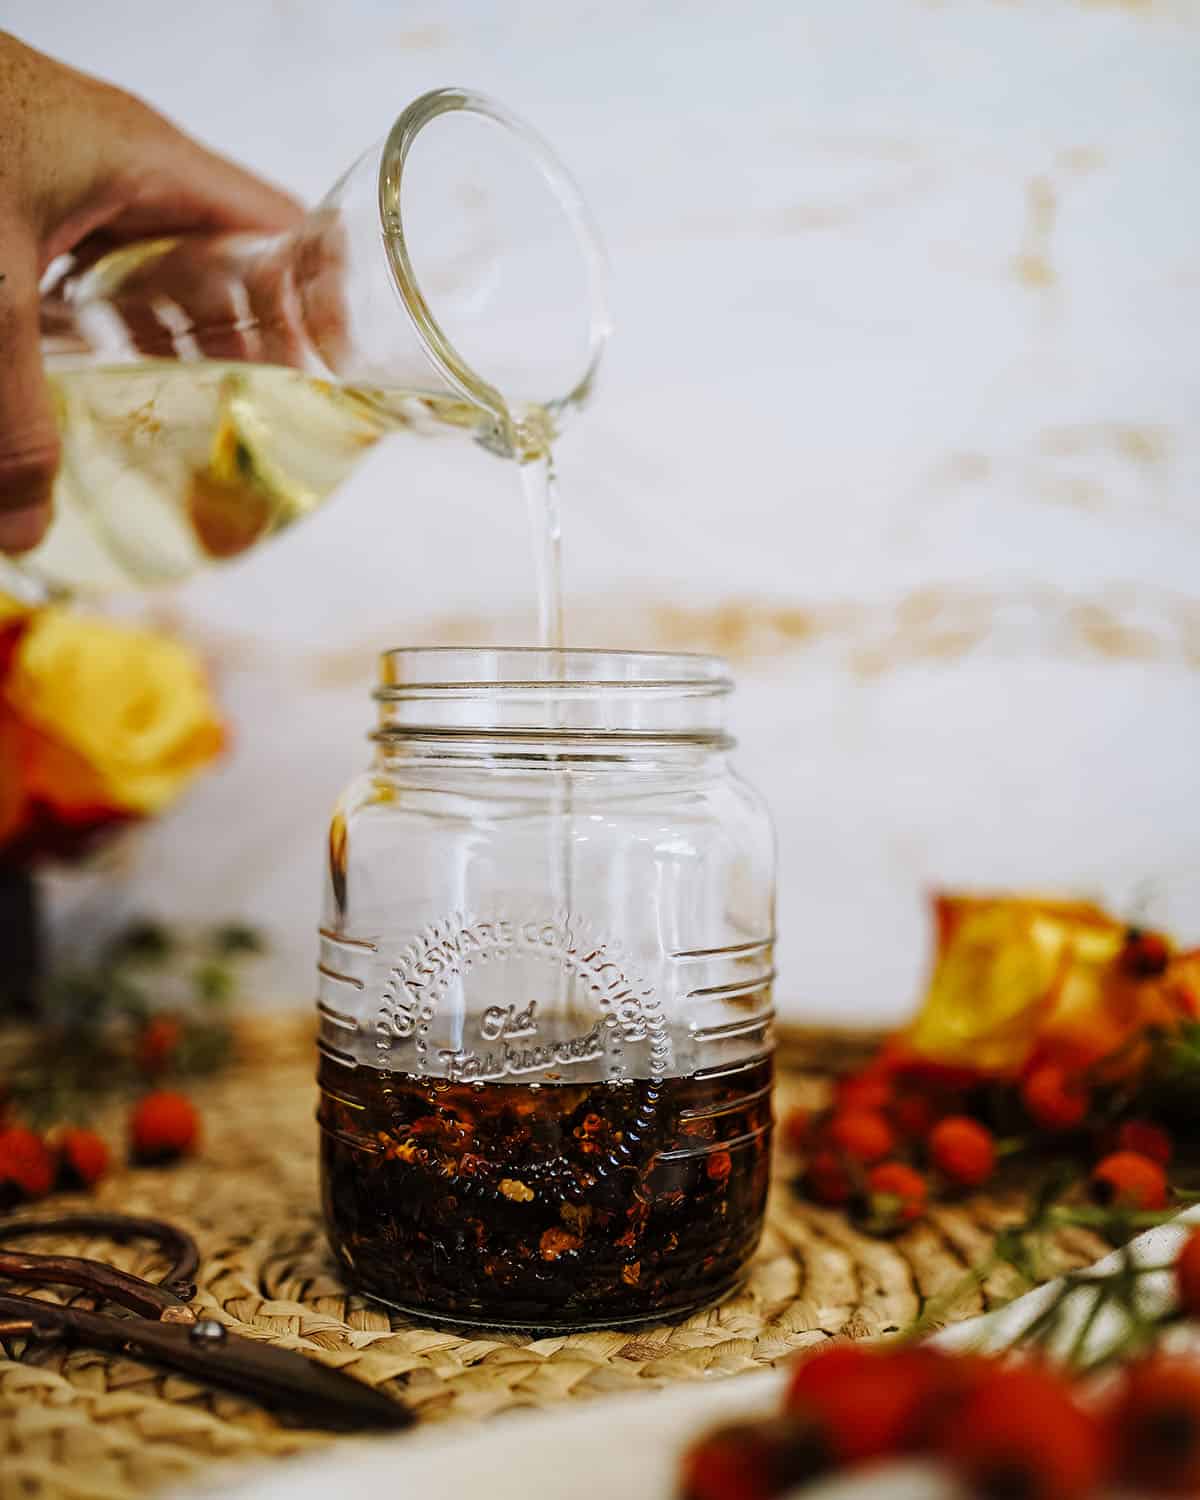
176, 1285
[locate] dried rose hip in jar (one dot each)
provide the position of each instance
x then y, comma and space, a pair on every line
539, 1205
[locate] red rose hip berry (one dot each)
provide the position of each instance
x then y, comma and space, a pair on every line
26, 1165
863, 1135
1146, 955
963, 1150
1127, 1180
163, 1127
83, 1158
1020, 1433
752, 1461
870, 1403
1054, 1099
898, 1192
1156, 1425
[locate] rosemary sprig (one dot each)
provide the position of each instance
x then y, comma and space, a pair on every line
98, 1018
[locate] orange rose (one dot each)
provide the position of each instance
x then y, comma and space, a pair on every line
13, 618
13, 796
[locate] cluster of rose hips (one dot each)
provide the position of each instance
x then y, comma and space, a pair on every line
1005, 1428
895, 1135
163, 1126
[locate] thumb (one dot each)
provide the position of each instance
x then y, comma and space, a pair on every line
29, 444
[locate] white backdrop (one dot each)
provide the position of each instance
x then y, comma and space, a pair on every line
901, 412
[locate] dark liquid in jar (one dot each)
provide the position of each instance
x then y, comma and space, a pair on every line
559, 1204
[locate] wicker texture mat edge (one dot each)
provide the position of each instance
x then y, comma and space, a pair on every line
84, 1426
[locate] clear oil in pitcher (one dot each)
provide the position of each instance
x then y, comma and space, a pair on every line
169, 466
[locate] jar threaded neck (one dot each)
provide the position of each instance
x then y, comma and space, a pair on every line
532, 693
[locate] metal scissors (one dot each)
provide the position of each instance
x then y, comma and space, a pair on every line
164, 1330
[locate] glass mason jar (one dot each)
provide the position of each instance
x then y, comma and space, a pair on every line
545, 992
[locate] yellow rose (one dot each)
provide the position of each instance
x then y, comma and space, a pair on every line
1020, 976
117, 717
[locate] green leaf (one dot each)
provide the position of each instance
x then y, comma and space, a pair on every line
143, 941
237, 937
213, 983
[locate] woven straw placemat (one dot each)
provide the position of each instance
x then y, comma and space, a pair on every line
85, 1426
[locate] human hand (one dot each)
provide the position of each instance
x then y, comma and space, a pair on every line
83, 167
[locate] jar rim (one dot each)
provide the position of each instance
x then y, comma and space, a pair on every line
527, 695
409, 670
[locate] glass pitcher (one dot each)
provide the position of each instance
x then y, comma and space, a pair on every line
211, 389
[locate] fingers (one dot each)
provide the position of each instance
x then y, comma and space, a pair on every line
84, 158
29, 445
206, 291
319, 281
182, 299
237, 198
174, 183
